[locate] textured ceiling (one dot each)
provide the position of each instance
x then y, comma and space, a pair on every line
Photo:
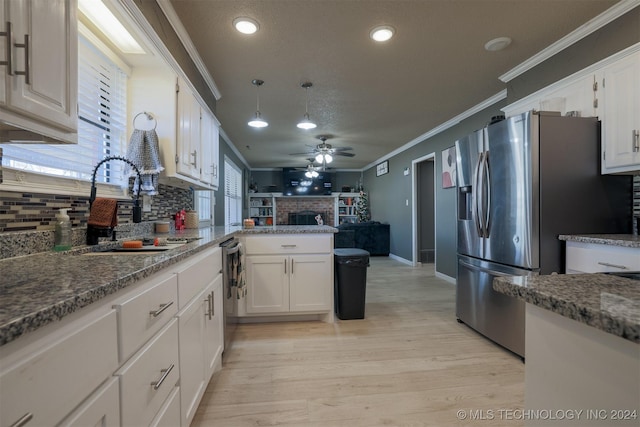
372, 97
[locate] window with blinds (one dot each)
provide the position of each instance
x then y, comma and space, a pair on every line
232, 193
102, 91
204, 200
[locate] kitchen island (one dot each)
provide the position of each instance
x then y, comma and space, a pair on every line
582, 348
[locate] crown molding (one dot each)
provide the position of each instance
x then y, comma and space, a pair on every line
606, 17
175, 22
441, 128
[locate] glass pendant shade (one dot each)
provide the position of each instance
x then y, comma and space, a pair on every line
324, 158
306, 124
257, 122
328, 158
319, 158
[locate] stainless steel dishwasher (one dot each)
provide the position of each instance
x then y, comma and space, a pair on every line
232, 264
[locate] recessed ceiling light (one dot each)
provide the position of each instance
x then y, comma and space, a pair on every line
497, 44
382, 33
246, 25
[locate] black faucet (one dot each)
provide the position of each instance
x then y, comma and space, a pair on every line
93, 232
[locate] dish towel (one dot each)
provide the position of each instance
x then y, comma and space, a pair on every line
103, 213
144, 152
238, 282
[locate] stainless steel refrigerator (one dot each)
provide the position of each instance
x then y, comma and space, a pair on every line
522, 182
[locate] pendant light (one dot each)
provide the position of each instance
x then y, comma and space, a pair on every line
257, 121
305, 123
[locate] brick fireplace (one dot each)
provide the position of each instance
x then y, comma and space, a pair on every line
293, 205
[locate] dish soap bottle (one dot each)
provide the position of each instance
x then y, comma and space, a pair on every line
62, 232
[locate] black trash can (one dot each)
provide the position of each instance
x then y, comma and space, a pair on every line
350, 284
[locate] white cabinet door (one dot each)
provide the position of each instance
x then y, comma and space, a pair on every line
209, 146
3, 53
621, 119
188, 138
213, 328
308, 290
576, 95
267, 284
44, 46
191, 338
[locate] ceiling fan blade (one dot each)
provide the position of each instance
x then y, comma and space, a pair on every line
302, 154
342, 148
340, 153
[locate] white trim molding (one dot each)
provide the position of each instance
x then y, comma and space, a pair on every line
589, 27
444, 126
175, 22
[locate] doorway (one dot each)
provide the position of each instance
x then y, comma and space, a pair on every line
424, 210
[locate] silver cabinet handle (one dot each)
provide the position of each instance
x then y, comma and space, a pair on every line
162, 308
208, 301
195, 158
606, 264
7, 62
213, 304
285, 266
636, 140
288, 246
292, 266
165, 373
23, 420
25, 72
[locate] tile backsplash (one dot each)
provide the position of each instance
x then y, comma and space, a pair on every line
36, 211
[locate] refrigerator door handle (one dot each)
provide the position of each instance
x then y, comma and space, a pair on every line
477, 197
487, 188
476, 268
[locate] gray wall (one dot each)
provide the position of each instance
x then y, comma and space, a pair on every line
389, 192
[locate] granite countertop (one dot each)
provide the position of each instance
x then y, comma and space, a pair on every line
606, 302
38, 289
627, 240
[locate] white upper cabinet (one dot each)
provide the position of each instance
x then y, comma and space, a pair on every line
609, 90
621, 116
209, 142
188, 139
40, 71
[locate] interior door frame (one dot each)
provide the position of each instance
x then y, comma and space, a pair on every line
414, 210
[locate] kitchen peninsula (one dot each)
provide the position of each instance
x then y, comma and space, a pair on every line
582, 346
109, 325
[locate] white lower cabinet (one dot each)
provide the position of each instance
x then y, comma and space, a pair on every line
289, 274
148, 377
200, 323
169, 414
595, 258
46, 379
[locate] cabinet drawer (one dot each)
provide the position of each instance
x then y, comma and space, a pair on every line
141, 315
197, 274
288, 244
147, 379
59, 373
102, 408
593, 258
169, 414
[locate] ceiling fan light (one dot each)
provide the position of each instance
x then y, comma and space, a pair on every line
314, 174
382, 33
308, 174
246, 25
319, 158
328, 158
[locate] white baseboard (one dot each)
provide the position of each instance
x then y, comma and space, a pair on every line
446, 278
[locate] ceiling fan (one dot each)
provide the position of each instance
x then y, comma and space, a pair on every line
323, 153
310, 170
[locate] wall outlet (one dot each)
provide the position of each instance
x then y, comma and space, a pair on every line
146, 203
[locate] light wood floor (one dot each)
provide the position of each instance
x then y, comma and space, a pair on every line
408, 363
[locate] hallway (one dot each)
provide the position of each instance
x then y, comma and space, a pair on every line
408, 363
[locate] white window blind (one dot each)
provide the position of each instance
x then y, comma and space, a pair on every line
203, 200
232, 193
102, 90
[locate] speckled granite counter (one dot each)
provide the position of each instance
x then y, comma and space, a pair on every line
627, 240
38, 289
605, 302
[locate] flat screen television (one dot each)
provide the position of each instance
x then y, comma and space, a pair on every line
295, 183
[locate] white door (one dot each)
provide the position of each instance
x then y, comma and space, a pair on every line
621, 118
47, 52
309, 289
267, 284
188, 138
